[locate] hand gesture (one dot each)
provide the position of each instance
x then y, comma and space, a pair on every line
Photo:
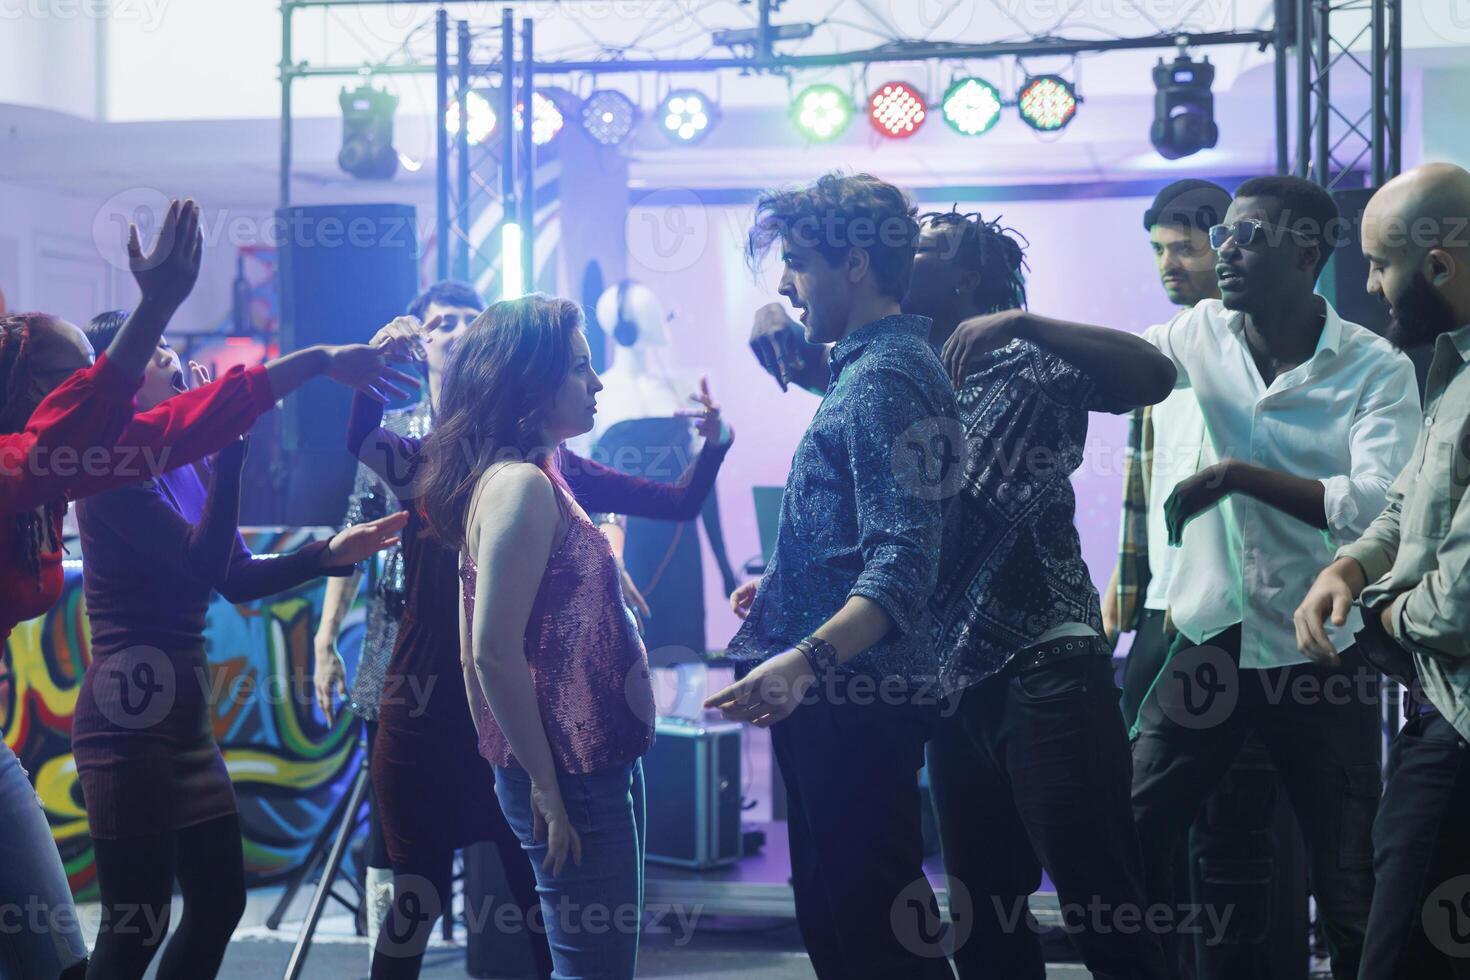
1193, 496
768, 694
166, 275
1329, 597
198, 375
778, 344
742, 597
352, 544
370, 370
549, 822
709, 425
976, 337
405, 336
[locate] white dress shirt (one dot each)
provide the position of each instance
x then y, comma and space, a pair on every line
1347, 417
1179, 435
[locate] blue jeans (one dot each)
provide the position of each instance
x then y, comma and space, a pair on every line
39, 932
593, 911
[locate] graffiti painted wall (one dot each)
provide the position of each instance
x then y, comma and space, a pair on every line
288, 765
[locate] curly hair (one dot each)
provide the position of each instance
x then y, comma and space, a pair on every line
839, 212
990, 248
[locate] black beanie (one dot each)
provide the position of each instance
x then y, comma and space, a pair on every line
1190, 203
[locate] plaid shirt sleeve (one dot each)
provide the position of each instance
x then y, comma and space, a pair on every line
1133, 572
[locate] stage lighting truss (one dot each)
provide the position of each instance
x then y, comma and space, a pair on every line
685, 116
971, 106
822, 112
1047, 102
609, 116
546, 118
481, 115
897, 110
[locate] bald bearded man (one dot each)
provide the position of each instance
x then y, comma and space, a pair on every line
1410, 573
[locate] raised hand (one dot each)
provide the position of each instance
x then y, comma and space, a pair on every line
709, 425
405, 335
198, 374
352, 544
370, 369
167, 274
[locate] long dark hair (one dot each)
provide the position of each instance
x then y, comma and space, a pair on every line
33, 532
506, 367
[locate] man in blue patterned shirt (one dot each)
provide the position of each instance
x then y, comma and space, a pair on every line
1029, 765
839, 626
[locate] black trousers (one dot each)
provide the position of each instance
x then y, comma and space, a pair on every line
1419, 925
850, 759
1320, 728
1030, 770
1229, 858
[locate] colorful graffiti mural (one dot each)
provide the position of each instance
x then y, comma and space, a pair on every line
288, 765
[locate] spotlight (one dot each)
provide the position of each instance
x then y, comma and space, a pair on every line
1184, 109
608, 116
971, 106
546, 119
822, 112
686, 116
482, 118
1047, 102
897, 110
367, 133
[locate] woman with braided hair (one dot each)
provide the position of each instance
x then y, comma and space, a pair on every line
68, 430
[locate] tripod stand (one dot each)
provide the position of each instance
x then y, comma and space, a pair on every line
326, 852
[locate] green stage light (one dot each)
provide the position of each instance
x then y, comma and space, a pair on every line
971, 106
822, 112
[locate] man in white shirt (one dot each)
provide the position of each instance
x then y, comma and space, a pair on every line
1230, 857
1309, 419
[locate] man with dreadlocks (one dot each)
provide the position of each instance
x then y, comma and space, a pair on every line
1029, 767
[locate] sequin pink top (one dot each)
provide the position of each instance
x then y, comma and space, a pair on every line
587, 661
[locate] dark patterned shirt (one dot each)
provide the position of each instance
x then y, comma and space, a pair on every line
855, 518
1012, 568
371, 499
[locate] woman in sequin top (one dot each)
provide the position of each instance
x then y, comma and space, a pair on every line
554, 667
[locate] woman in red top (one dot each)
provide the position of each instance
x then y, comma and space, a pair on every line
67, 430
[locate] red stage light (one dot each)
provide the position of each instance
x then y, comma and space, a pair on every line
896, 110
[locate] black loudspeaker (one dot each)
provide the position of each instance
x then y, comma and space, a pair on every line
1345, 280
345, 270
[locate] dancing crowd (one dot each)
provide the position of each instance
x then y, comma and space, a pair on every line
1291, 541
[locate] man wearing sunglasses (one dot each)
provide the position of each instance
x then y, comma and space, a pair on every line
1309, 419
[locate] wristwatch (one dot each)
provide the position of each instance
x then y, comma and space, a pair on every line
821, 655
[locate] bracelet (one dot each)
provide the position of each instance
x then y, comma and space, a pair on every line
819, 654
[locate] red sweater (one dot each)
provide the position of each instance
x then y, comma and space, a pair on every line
84, 438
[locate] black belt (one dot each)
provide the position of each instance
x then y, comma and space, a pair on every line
1055, 651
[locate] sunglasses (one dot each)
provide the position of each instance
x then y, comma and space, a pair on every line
1247, 231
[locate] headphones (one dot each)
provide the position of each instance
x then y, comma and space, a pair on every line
625, 331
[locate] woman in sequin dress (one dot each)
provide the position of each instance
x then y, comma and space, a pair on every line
555, 670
